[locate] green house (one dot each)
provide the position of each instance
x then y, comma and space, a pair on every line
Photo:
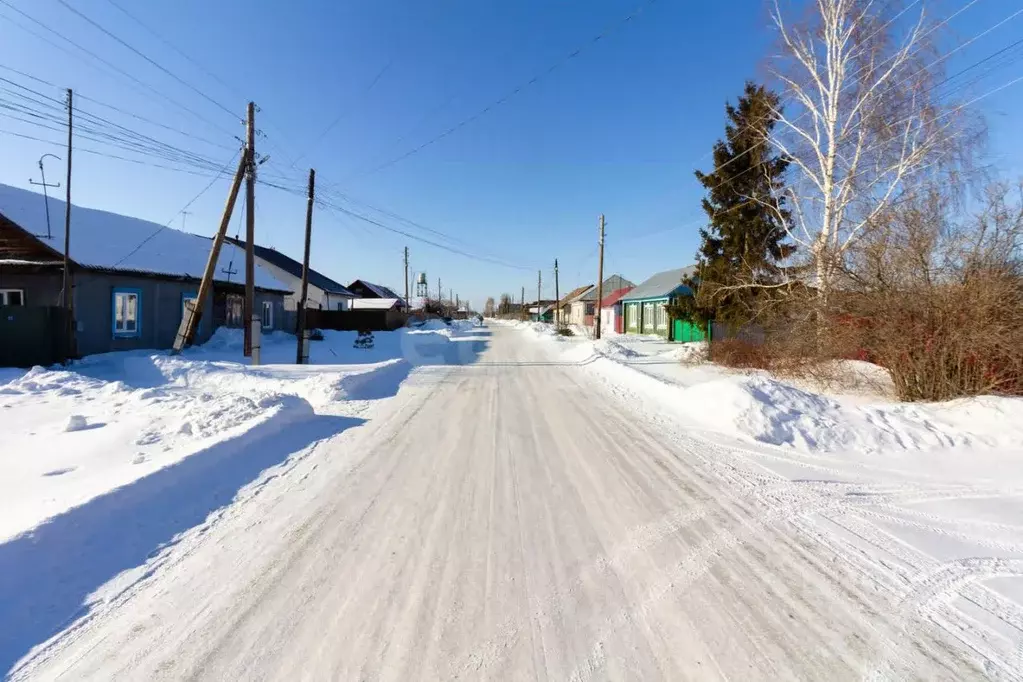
644, 311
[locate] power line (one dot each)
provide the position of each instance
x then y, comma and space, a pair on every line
183, 208
343, 113
108, 64
149, 59
515, 91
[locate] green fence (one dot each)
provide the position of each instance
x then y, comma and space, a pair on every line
684, 332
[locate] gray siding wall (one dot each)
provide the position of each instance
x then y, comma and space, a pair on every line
160, 303
161, 308
41, 288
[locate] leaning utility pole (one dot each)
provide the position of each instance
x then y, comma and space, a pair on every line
600, 279
302, 333
69, 299
538, 281
249, 316
193, 309
407, 303
557, 297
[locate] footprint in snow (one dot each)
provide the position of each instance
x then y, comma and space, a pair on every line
139, 459
60, 472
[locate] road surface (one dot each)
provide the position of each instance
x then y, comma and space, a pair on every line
505, 519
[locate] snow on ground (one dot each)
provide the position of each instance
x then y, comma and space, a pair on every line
73, 434
943, 481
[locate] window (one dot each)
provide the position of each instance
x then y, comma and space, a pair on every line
589, 309
12, 297
661, 316
268, 315
126, 312
233, 312
340, 305
648, 316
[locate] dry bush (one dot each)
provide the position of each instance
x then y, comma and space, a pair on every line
740, 354
937, 301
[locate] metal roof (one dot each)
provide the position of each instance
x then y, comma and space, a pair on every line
294, 268
661, 285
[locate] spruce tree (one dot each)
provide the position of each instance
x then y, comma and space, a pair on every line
744, 242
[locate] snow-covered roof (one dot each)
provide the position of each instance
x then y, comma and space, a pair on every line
109, 241
661, 285
374, 303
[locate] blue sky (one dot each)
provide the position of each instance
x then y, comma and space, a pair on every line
617, 129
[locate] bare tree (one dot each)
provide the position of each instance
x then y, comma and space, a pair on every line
489, 308
860, 126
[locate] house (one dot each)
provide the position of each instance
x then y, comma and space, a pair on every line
323, 292
644, 306
611, 317
130, 277
364, 289
565, 304
378, 304
582, 308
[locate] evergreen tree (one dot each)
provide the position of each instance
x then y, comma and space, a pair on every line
744, 243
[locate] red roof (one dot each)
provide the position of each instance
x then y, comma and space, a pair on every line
615, 296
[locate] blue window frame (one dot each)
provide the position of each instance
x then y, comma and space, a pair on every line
126, 308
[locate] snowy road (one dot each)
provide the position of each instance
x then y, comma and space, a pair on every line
510, 519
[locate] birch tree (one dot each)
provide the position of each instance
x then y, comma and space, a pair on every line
859, 124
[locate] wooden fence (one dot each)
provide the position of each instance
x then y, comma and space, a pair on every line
356, 320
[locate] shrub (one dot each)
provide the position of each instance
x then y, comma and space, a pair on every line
740, 354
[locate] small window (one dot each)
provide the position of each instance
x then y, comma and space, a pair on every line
233, 313
589, 308
126, 312
12, 297
340, 305
268, 315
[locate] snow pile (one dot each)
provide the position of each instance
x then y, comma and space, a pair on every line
774, 412
71, 435
695, 351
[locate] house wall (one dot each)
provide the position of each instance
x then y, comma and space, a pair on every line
332, 301
608, 318
647, 317
578, 313
315, 297
41, 288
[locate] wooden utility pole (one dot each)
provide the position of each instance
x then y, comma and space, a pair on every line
557, 297
193, 310
522, 301
302, 357
600, 279
440, 292
68, 294
249, 314
538, 281
407, 302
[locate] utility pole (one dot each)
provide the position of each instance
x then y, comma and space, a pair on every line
302, 357
69, 299
440, 292
46, 198
522, 302
249, 315
193, 310
538, 281
407, 302
600, 279
557, 298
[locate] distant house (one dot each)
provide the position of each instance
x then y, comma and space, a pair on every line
364, 289
130, 277
377, 304
565, 304
611, 318
323, 292
583, 307
644, 305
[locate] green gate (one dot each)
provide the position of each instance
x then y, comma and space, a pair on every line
684, 332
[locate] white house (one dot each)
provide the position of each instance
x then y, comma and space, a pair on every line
324, 293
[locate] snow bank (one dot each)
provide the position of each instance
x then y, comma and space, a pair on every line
774, 412
73, 434
759, 407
